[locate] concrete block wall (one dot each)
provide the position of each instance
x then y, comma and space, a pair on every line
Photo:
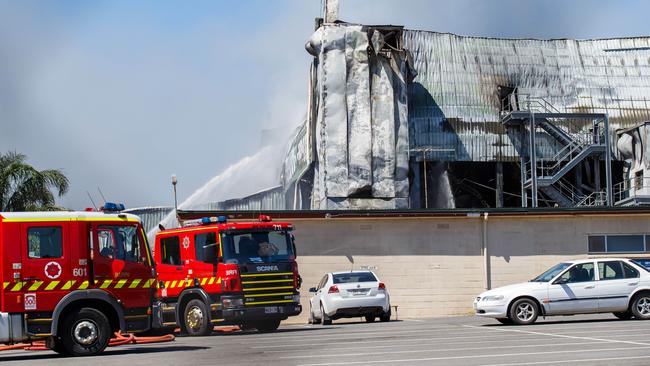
435, 266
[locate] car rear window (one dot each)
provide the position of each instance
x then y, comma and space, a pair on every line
353, 277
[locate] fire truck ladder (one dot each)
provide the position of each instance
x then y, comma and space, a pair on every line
573, 137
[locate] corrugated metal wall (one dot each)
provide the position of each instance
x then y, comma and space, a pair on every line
150, 216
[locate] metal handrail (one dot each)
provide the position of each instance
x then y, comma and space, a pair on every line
628, 187
597, 198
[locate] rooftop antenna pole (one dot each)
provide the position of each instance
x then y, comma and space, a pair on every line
174, 181
331, 11
101, 194
91, 200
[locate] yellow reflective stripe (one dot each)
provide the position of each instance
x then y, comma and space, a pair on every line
266, 281
5, 285
17, 286
203, 281
121, 283
269, 288
148, 283
273, 294
135, 283
267, 274
51, 286
211, 281
83, 285
173, 284
35, 286
106, 283
267, 302
68, 285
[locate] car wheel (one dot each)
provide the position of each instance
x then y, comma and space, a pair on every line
505, 321
625, 315
385, 317
312, 317
641, 306
370, 318
195, 318
524, 311
86, 332
325, 320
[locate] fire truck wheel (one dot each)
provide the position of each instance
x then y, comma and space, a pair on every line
86, 332
267, 326
56, 345
195, 318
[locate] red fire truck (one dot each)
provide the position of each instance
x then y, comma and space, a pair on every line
216, 272
74, 278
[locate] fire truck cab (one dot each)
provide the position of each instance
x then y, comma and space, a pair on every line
74, 278
216, 272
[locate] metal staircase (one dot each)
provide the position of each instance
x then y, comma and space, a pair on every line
579, 136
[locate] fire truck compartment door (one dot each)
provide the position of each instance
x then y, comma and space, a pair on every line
45, 273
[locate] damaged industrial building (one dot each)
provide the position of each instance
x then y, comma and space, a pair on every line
411, 119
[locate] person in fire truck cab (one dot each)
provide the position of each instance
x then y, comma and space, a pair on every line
267, 249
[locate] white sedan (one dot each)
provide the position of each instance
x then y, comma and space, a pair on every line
616, 285
347, 295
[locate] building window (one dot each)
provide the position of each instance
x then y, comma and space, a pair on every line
170, 250
44, 242
618, 243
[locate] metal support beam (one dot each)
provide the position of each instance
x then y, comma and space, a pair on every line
533, 161
499, 184
608, 165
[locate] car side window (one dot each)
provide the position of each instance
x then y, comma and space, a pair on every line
610, 270
322, 283
630, 272
583, 272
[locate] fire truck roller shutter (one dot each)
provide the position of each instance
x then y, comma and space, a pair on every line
189, 294
89, 298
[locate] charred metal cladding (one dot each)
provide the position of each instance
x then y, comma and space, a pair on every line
402, 119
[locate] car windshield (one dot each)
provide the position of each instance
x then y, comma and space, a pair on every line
551, 273
257, 246
354, 277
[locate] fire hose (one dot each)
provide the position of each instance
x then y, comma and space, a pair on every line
118, 340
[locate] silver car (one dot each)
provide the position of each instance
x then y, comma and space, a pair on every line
617, 285
348, 295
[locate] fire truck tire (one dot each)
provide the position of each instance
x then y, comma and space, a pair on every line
86, 332
57, 346
196, 321
267, 326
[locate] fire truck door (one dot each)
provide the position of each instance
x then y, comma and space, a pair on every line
121, 264
45, 273
205, 259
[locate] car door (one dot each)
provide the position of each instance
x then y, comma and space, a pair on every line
574, 291
617, 281
316, 299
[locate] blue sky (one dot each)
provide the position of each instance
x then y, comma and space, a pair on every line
121, 94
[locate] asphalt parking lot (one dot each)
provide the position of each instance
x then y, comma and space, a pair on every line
592, 340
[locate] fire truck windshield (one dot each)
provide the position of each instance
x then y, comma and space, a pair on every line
256, 246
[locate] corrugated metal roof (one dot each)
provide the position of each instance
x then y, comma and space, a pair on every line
454, 101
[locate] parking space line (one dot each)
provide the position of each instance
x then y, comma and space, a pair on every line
562, 335
415, 342
470, 357
355, 334
378, 339
436, 350
570, 361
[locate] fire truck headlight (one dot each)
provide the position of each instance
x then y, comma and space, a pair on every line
296, 298
232, 303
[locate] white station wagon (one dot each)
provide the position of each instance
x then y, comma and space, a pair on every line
616, 285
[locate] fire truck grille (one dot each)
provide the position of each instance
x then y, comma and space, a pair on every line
268, 288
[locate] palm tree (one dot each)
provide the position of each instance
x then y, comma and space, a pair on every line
23, 188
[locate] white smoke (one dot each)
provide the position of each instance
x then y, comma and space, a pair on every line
247, 176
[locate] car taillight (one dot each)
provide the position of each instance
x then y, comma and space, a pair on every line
382, 286
333, 290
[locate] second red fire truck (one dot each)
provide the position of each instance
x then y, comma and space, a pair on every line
216, 272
